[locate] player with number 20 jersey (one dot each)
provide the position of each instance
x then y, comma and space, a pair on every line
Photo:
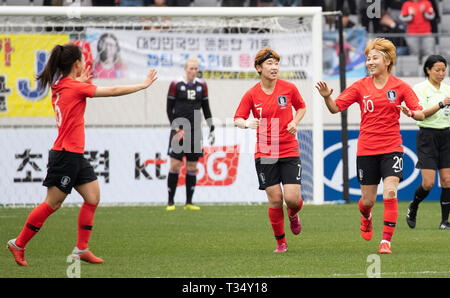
380, 148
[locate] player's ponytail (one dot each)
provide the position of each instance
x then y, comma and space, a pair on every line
62, 57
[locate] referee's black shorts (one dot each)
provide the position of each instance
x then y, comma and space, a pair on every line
68, 169
433, 148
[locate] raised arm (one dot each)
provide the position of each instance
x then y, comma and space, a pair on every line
126, 89
326, 92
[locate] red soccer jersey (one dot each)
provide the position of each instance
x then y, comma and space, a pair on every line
419, 23
69, 104
379, 130
275, 113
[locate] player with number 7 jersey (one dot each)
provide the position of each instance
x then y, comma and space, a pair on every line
277, 156
380, 149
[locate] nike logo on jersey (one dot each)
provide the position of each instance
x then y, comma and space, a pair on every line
257, 105
366, 96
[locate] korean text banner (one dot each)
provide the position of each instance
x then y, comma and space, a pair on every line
22, 57
132, 166
128, 54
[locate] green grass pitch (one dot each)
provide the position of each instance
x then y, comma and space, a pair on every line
228, 241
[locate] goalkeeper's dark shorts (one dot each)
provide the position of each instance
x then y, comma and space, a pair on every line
188, 146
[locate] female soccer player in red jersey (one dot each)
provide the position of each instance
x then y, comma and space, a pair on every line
380, 149
277, 152
67, 168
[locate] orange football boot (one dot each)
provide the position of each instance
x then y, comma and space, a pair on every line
366, 228
87, 256
385, 248
17, 252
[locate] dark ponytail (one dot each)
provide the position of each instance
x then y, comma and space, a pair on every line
59, 64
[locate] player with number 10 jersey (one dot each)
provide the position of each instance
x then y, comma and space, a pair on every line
380, 148
380, 127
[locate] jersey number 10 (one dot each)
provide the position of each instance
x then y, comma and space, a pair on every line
368, 106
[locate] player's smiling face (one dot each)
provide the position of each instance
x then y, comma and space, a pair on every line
376, 63
269, 69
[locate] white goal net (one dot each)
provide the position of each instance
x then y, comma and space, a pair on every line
127, 137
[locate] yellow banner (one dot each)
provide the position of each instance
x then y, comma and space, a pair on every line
22, 57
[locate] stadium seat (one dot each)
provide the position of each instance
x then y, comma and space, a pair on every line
407, 66
445, 7
444, 46
24, 2
445, 23
206, 3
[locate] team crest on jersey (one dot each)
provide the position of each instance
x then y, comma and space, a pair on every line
391, 95
199, 88
282, 100
182, 88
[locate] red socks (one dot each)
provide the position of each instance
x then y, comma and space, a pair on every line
389, 217
364, 210
39, 214
292, 212
276, 218
34, 222
85, 223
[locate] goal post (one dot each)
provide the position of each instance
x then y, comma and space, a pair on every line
224, 38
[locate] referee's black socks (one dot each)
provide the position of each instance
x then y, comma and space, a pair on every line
419, 196
445, 203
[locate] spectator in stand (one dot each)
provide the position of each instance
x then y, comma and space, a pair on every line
418, 14
287, 2
394, 7
178, 2
346, 21
350, 3
104, 2
437, 19
131, 3
158, 3
315, 3
389, 25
